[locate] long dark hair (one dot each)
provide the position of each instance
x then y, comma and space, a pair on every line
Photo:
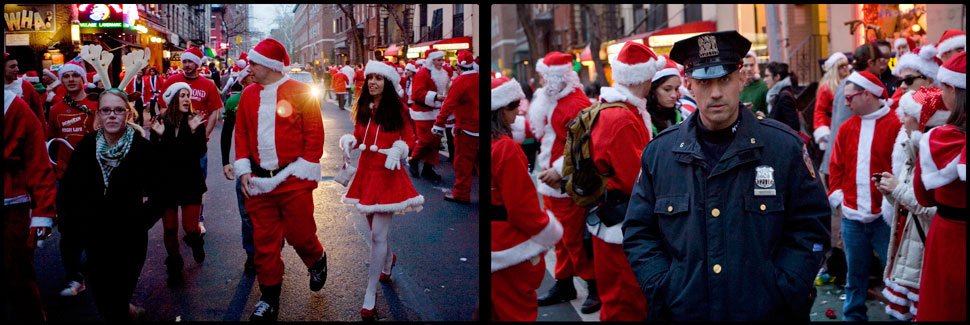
499, 127
654, 108
958, 117
389, 113
173, 117
780, 71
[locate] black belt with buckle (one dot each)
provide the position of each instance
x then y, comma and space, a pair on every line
952, 213
260, 172
498, 213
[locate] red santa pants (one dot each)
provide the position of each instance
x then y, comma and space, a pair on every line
466, 152
571, 257
942, 293
20, 291
427, 147
275, 216
514, 291
616, 285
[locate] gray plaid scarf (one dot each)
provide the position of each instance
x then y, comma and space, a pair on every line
110, 157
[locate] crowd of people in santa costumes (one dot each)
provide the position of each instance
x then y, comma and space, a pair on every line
22, 88
380, 187
553, 106
278, 150
429, 89
461, 108
521, 232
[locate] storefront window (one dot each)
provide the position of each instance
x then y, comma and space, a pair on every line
752, 25
896, 21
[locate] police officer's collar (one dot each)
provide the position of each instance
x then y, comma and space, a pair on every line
746, 137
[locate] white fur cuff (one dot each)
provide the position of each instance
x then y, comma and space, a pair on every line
835, 199
242, 167
537, 245
821, 132
429, 99
41, 222
348, 141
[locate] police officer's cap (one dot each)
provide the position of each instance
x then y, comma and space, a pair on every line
711, 55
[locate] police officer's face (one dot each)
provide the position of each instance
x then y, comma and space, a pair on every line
717, 99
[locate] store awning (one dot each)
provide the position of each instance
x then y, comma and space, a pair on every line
417, 50
660, 38
392, 50
457, 43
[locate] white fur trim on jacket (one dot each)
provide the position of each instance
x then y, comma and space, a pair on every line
300, 169
16, 87
266, 125
908, 106
557, 165
256, 57
242, 166
835, 199
634, 74
518, 129
425, 116
952, 43
440, 79
429, 99
612, 235
415, 204
821, 132
620, 93
537, 245
895, 314
8, 97
50, 90
952, 78
932, 176
544, 103
899, 155
506, 93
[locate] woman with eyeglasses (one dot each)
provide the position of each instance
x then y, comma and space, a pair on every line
108, 180
836, 69
780, 98
180, 136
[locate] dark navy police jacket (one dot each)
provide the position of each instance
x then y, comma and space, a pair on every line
703, 246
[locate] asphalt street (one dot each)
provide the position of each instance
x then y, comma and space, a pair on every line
436, 277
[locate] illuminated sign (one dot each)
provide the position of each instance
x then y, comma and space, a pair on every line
100, 12
93, 17
29, 18
141, 29
668, 40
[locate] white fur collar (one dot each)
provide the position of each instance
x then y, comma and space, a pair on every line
877, 114
620, 93
7, 100
16, 87
542, 106
440, 77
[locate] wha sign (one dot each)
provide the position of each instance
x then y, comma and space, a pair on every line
29, 18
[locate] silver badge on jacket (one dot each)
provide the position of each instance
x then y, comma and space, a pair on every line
764, 181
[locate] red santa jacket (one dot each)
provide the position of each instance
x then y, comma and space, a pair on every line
863, 146
527, 232
55, 92
549, 117
27, 172
25, 90
70, 124
279, 125
153, 88
941, 173
339, 83
462, 103
425, 86
358, 80
368, 135
617, 140
822, 118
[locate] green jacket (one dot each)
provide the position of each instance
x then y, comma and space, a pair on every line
756, 93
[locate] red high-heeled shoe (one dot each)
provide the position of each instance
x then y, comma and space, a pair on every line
368, 314
386, 277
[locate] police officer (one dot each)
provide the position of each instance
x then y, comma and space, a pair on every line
728, 220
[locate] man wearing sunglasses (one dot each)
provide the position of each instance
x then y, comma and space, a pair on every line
916, 70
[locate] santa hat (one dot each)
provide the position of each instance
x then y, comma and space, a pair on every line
50, 74
670, 69
411, 66
31, 76
270, 53
505, 91
905, 40
193, 54
386, 70
174, 90
921, 59
432, 54
941, 152
636, 64
555, 65
925, 105
834, 59
951, 39
73, 66
869, 82
749, 54
466, 59
954, 71
243, 61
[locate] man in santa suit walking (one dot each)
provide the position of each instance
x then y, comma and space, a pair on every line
22, 88
552, 108
521, 232
28, 208
279, 142
863, 147
462, 105
429, 87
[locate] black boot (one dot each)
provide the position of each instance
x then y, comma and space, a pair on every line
250, 267
174, 266
428, 173
196, 243
413, 167
318, 273
562, 291
592, 303
268, 307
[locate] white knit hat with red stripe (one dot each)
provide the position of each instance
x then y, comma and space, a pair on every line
670, 69
505, 91
951, 39
386, 70
870, 83
270, 53
636, 64
954, 71
193, 54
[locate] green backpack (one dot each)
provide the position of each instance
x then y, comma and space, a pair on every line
584, 183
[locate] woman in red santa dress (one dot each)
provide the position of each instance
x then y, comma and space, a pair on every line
941, 180
521, 232
381, 187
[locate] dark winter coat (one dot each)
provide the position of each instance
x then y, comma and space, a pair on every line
752, 259
783, 109
180, 167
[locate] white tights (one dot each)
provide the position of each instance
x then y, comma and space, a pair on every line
380, 254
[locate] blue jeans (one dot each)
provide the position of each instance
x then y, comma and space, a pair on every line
247, 224
205, 174
860, 239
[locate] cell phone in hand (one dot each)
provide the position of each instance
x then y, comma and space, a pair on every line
877, 176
